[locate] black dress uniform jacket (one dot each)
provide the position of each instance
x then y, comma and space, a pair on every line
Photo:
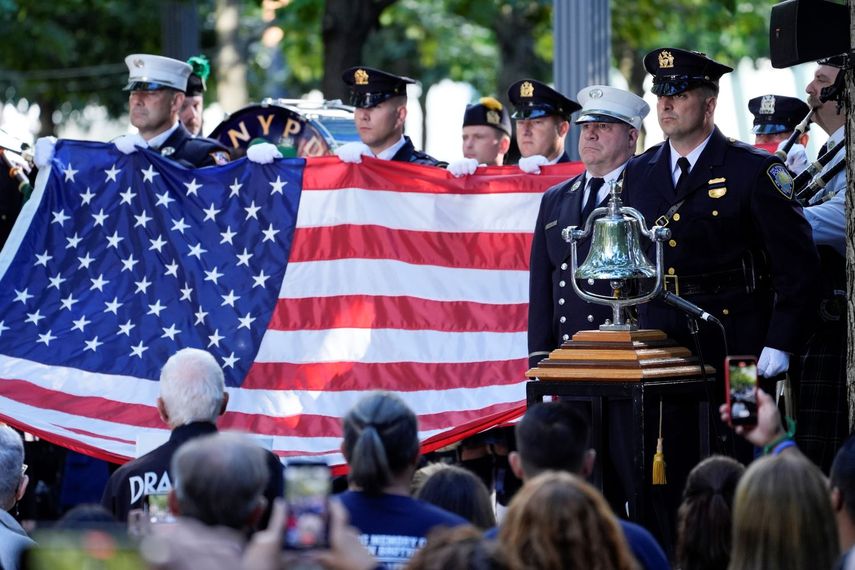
193, 152
740, 248
150, 473
408, 153
555, 311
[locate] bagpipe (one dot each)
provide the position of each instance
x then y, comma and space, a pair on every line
300, 128
16, 160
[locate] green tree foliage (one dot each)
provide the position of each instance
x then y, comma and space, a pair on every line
725, 30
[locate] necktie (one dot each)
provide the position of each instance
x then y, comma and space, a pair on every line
683, 163
594, 185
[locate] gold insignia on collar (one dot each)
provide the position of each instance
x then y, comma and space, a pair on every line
712, 181
360, 77
666, 60
493, 118
767, 105
526, 89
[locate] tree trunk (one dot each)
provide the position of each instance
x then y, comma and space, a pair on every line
517, 54
850, 227
345, 28
230, 64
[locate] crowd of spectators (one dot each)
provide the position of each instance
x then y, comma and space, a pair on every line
779, 512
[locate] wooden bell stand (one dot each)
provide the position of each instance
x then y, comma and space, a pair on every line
620, 377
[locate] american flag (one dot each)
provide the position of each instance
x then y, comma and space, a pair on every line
399, 277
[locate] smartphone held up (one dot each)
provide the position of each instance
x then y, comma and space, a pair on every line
307, 494
741, 389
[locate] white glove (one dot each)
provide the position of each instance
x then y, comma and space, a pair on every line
44, 151
532, 164
353, 152
263, 153
797, 159
772, 362
462, 167
127, 144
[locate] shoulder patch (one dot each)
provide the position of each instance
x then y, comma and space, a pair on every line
782, 179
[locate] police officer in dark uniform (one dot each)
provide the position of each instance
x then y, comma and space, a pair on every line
610, 120
380, 99
740, 246
194, 96
543, 119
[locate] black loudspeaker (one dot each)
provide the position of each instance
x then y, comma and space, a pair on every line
807, 30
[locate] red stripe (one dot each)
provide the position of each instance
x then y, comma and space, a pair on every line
329, 173
472, 428
471, 250
406, 313
393, 376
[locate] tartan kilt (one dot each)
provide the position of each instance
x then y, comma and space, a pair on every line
823, 409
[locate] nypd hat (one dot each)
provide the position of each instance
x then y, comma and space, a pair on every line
533, 99
370, 87
676, 70
774, 114
604, 104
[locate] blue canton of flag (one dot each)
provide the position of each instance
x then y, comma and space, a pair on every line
124, 259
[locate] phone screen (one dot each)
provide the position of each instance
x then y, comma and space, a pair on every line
307, 491
742, 389
157, 506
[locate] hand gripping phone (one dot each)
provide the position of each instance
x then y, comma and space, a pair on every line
307, 493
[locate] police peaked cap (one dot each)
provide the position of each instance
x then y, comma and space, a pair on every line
370, 87
533, 99
675, 70
774, 114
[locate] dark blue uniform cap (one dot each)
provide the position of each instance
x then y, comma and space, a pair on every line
774, 114
675, 70
490, 112
370, 87
533, 99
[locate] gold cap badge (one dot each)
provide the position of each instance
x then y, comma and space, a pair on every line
666, 60
360, 77
526, 89
493, 118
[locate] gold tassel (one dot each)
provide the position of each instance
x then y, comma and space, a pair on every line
659, 458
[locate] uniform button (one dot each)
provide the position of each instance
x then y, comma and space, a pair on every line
561, 301
562, 320
715, 212
563, 267
590, 281
672, 243
3, 217
566, 337
561, 283
671, 271
725, 311
590, 318
676, 217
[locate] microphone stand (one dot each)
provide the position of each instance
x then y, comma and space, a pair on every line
694, 329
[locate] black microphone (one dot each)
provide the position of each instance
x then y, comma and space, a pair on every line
687, 307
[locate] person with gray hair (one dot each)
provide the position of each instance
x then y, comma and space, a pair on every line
13, 483
381, 447
192, 396
217, 497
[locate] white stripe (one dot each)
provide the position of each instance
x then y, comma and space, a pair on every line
389, 345
481, 212
363, 277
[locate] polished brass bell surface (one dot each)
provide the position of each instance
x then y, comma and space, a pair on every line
616, 251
